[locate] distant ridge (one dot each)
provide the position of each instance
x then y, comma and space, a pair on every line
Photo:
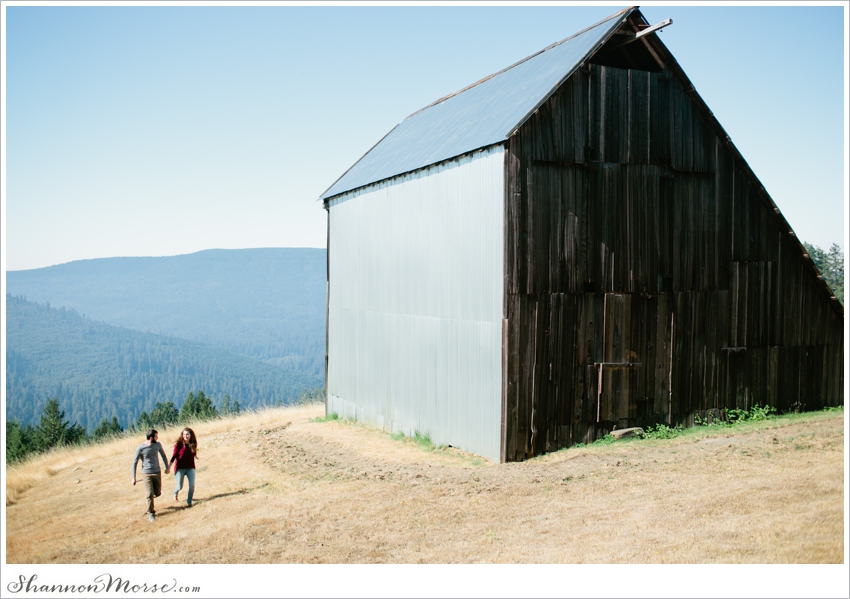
265, 303
98, 371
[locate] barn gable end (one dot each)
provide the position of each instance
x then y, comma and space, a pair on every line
649, 276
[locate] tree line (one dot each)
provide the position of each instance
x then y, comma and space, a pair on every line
831, 265
54, 430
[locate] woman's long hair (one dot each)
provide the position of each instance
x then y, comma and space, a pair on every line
193, 440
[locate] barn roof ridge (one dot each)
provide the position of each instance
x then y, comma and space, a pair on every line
519, 62
479, 115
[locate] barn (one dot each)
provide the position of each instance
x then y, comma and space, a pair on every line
568, 245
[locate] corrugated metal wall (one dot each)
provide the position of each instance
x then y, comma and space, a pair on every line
415, 306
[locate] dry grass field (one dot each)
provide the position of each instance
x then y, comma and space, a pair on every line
280, 487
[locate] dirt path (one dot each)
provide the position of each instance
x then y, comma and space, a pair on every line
285, 489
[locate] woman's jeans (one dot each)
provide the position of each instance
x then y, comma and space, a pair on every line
189, 473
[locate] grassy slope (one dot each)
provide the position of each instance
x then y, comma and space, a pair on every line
338, 492
263, 303
97, 371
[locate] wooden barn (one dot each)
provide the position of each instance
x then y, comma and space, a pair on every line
567, 245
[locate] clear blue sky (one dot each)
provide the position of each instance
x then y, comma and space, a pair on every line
150, 131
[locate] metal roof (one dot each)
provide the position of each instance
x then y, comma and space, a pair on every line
483, 114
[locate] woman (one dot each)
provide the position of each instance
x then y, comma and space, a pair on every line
185, 453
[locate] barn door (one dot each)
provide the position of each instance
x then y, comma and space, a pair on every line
619, 375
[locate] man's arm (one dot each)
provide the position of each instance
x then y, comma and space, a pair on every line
164, 459
136, 461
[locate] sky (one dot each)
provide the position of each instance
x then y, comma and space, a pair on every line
163, 130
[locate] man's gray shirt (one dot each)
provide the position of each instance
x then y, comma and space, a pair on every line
148, 453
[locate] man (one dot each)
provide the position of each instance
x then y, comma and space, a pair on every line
148, 452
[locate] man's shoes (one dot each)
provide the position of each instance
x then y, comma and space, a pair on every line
150, 517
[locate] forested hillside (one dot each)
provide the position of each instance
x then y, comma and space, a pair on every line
263, 303
99, 371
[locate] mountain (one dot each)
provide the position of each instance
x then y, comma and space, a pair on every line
98, 371
267, 303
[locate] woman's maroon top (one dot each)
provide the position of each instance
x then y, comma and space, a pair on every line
185, 457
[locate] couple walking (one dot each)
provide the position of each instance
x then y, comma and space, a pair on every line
183, 458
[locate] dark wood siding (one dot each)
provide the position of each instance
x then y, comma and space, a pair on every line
641, 254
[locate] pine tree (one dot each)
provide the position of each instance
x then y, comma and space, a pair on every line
228, 407
187, 410
107, 429
197, 407
76, 434
144, 421
54, 430
19, 441
162, 415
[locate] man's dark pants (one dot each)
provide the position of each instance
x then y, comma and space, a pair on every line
153, 489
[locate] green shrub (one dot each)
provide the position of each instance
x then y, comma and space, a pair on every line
326, 418
710, 421
755, 413
662, 431
606, 440
423, 441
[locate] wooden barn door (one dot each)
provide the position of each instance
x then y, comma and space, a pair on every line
629, 333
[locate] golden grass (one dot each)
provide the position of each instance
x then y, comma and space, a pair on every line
22, 476
276, 487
